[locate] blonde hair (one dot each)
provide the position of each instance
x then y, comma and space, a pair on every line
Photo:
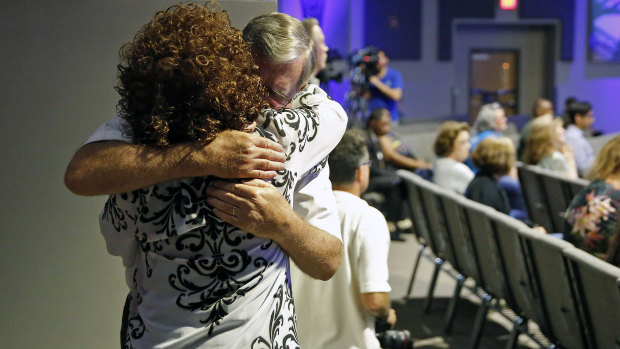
542, 140
494, 155
607, 161
444, 142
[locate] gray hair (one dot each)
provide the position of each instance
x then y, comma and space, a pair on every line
486, 117
280, 38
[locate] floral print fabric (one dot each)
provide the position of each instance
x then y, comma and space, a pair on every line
592, 217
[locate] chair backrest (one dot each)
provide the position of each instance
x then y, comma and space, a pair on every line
523, 296
416, 209
558, 190
597, 286
492, 278
462, 242
533, 194
547, 265
430, 194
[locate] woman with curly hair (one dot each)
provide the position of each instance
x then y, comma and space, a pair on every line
592, 216
452, 148
546, 147
195, 280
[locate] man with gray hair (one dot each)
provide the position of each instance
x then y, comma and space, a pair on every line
109, 163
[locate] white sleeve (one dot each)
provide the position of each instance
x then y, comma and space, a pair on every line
374, 242
315, 203
117, 129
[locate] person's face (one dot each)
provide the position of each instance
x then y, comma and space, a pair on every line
584, 121
559, 134
500, 120
383, 125
460, 148
281, 80
545, 107
383, 59
321, 48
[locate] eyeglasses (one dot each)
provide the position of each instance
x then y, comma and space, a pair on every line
280, 98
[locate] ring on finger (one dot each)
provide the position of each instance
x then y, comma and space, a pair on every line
234, 211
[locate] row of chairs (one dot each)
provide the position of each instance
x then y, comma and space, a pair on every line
547, 195
571, 295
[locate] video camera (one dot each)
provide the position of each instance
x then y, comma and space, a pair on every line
366, 58
392, 339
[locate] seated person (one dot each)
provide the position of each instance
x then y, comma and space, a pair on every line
490, 122
541, 107
494, 157
592, 216
394, 152
452, 148
341, 312
384, 148
546, 147
580, 119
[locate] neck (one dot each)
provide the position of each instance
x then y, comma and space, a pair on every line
613, 180
353, 188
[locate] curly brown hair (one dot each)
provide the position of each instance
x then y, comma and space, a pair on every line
186, 76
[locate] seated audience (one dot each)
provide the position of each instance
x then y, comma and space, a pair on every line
541, 107
546, 147
592, 216
580, 118
452, 148
341, 312
494, 157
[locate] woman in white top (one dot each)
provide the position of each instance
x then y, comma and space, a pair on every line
452, 148
546, 147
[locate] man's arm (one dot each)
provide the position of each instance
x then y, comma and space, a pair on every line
395, 93
391, 155
262, 210
109, 167
378, 305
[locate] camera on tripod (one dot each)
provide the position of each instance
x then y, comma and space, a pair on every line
367, 59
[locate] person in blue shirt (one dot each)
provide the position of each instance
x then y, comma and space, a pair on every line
386, 87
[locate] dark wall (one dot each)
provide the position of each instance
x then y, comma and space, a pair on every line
563, 10
451, 9
395, 26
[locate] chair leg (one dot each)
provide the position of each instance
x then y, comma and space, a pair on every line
514, 333
480, 320
431, 289
460, 281
415, 269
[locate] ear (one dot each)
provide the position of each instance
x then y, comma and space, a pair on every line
358, 174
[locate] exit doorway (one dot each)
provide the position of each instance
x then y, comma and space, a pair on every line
494, 77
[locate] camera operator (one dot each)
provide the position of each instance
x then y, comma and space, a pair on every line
341, 312
386, 87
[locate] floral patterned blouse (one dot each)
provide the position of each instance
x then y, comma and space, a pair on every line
592, 217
